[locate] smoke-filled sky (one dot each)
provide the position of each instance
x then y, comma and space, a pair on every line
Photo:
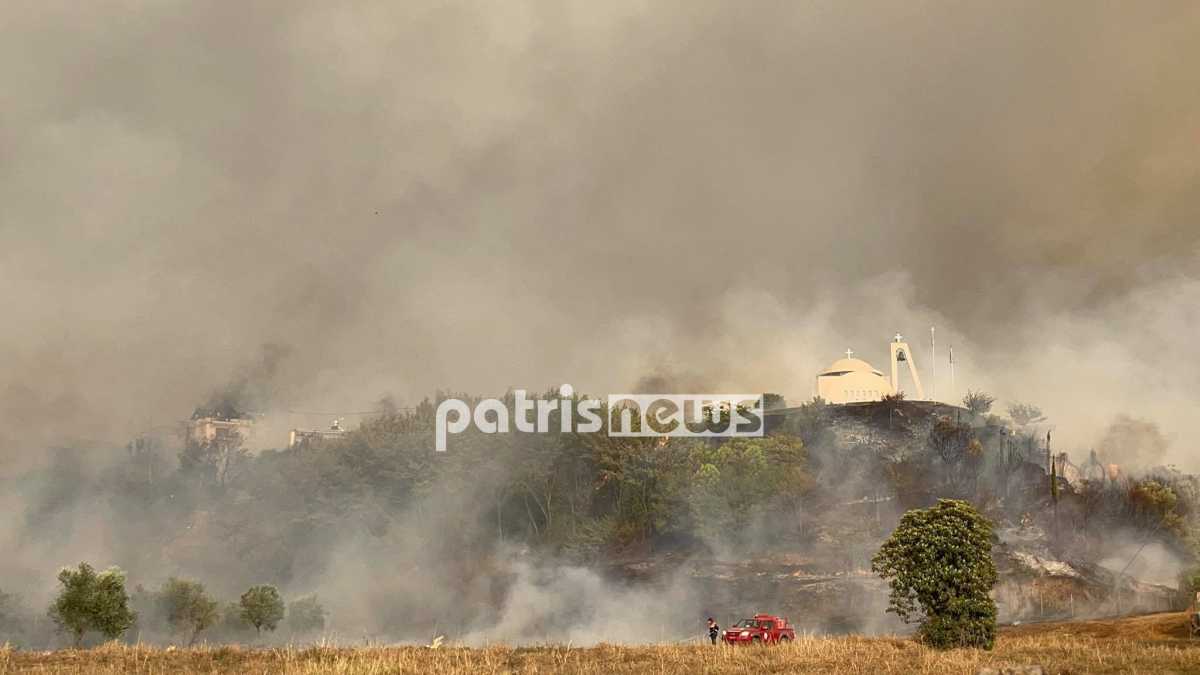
410, 196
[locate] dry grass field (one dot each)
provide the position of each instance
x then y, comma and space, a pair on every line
1153, 644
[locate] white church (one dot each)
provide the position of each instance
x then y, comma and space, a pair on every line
852, 380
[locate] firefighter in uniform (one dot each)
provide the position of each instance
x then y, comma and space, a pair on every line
713, 630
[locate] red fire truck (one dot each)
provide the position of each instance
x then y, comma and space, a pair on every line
761, 629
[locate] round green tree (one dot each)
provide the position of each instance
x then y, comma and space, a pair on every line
938, 562
262, 607
92, 601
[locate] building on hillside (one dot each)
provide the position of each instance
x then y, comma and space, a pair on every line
203, 430
299, 437
852, 380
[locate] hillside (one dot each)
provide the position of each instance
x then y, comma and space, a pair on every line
584, 538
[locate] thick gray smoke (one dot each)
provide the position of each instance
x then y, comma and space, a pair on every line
452, 195
410, 196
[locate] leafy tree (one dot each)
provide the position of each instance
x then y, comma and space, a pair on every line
92, 602
306, 615
262, 607
1154, 504
746, 478
1023, 414
640, 482
938, 562
978, 402
188, 607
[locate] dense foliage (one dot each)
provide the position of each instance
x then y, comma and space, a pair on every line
91, 601
938, 562
262, 607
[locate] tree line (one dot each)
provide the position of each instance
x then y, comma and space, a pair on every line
97, 602
818, 482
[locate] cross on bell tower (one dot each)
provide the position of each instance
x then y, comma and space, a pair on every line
902, 354
849, 353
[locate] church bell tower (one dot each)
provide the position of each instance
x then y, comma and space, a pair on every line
902, 354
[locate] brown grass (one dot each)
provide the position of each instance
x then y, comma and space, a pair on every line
1145, 644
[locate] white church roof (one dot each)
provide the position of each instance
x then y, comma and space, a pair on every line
842, 366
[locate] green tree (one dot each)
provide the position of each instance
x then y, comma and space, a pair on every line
747, 480
187, 607
262, 607
938, 562
1154, 505
639, 482
305, 615
91, 601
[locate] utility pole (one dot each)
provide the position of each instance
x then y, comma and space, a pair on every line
1053, 482
933, 351
953, 389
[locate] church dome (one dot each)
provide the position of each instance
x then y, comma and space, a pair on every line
849, 365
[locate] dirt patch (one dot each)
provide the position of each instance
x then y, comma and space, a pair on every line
1165, 626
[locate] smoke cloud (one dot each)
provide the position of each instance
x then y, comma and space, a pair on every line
325, 204
448, 195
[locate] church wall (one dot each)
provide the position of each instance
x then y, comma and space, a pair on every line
853, 387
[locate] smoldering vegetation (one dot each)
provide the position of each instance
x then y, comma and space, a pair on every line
585, 538
442, 195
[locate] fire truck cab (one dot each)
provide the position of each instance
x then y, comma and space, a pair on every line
758, 630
